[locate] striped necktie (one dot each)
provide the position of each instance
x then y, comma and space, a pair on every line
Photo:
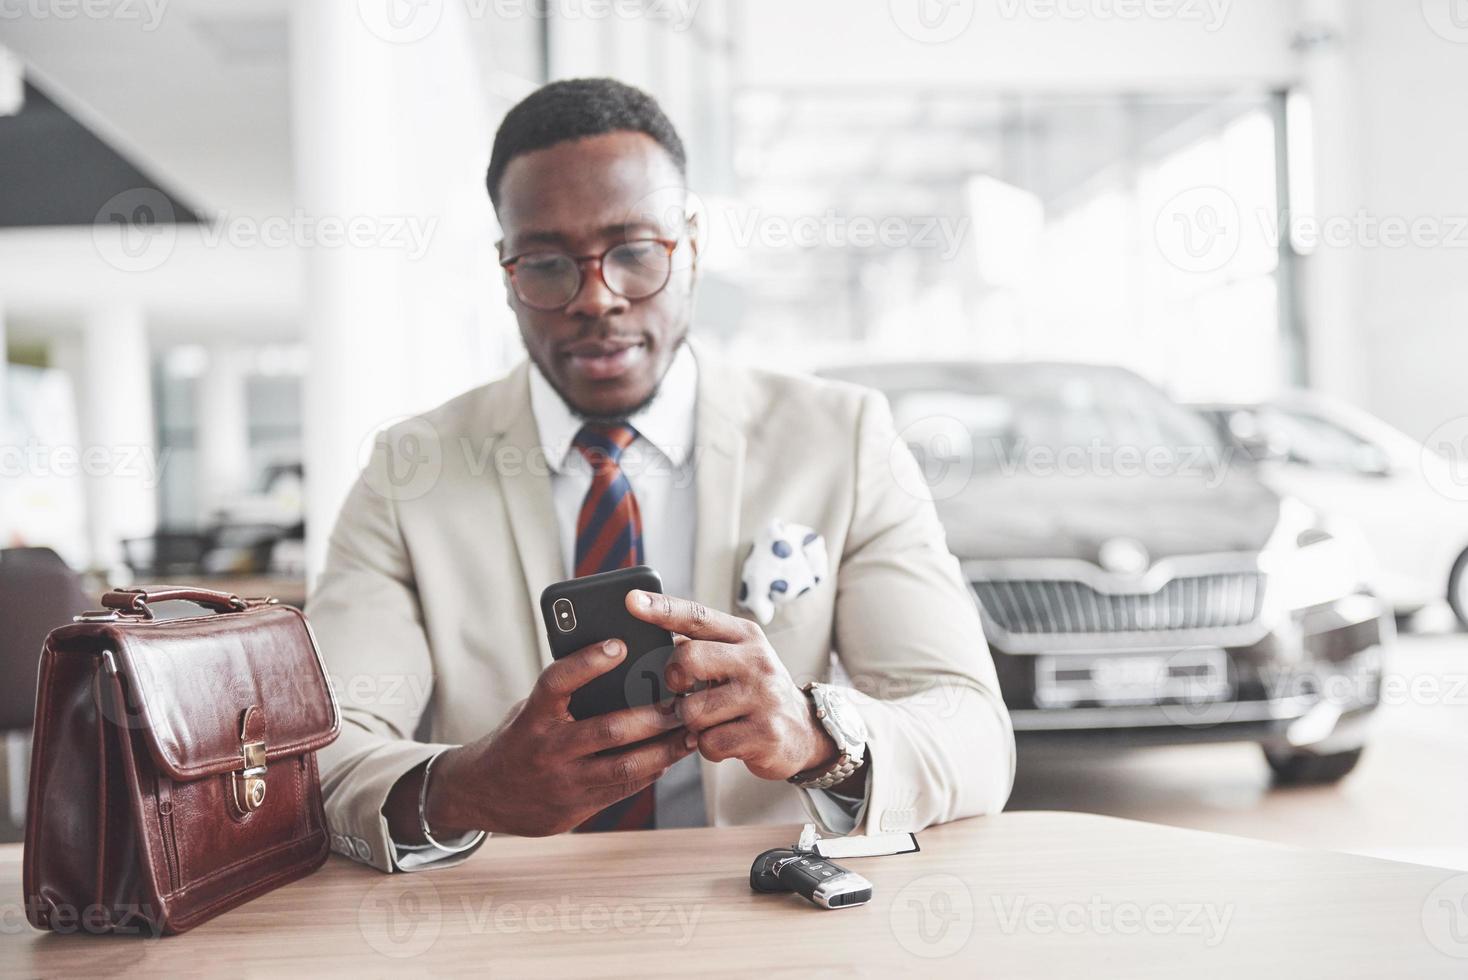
609, 536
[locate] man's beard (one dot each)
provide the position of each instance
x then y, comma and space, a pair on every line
593, 419
590, 419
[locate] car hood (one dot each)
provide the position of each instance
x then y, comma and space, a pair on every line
1021, 516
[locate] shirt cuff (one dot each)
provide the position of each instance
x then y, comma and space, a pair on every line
840, 812
411, 857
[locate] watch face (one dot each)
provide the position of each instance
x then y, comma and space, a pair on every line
850, 730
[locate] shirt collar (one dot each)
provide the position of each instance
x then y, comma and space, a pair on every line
667, 422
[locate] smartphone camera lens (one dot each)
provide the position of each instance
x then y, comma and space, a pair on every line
565, 615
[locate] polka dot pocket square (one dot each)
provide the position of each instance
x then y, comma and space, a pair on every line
786, 562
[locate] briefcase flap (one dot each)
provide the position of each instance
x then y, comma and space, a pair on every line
191, 682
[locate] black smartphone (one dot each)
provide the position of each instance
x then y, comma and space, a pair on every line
593, 609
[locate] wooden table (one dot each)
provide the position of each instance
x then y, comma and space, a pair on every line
1018, 895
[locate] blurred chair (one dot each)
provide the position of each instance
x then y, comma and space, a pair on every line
38, 592
225, 548
167, 553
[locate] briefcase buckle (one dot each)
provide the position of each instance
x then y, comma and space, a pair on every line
249, 782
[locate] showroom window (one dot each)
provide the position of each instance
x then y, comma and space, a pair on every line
1131, 229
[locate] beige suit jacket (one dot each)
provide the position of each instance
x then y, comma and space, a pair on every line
427, 611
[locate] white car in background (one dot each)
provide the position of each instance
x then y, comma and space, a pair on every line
1357, 469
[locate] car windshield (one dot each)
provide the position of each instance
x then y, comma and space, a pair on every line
994, 414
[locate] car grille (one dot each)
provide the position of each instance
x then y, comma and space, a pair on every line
1197, 602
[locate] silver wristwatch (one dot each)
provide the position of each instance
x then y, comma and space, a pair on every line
844, 725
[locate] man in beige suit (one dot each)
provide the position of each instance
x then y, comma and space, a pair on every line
621, 442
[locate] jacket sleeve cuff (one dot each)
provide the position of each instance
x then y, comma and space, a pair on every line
354, 812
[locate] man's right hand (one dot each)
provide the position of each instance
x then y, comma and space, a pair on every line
540, 772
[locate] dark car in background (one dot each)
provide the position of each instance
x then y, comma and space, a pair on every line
1137, 582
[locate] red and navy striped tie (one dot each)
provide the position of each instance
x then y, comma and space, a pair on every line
609, 536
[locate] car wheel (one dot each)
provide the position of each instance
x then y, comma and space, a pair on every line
1458, 588
1309, 768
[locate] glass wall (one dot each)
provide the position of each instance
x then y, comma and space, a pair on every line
1131, 229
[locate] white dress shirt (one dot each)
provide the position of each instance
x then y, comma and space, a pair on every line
660, 465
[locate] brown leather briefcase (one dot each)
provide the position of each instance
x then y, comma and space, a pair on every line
173, 772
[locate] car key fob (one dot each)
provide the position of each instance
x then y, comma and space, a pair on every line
820, 881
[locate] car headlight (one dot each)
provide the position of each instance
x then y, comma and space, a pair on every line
1305, 564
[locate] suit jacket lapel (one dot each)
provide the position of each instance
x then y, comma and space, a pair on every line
527, 495
720, 446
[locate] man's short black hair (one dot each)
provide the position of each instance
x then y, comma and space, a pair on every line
576, 108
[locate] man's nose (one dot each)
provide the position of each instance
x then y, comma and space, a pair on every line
595, 298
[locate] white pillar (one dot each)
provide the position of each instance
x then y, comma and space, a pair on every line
344, 136
118, 449
1331, 278
390, 129
222, 447
4, 368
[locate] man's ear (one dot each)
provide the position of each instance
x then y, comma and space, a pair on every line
695, 233
499, 250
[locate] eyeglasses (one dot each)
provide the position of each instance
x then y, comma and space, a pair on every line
634, 270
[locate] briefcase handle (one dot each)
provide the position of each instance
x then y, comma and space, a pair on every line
135, 601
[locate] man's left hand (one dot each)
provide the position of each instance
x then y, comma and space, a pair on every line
752, 710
